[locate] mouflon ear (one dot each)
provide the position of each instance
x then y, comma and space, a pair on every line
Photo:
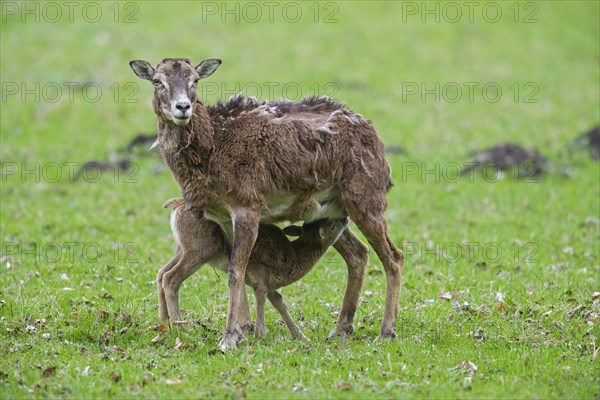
292, 230
175, 202
142, 68
322, 233
207, 67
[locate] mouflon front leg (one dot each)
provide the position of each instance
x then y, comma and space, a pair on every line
245, 231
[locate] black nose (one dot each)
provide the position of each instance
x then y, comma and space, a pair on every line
183, 106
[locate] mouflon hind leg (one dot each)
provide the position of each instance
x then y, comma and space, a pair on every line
277, 301
372, 223
162, 301
260, 293
189, 263
244, 319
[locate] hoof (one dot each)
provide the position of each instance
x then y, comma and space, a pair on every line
247, 329
341, 331
300, 336
229, 341
386, 335
261, 332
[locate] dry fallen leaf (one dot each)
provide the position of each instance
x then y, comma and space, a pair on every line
343, 385
574, 311
298, 388
75, 314
182, 324
478, 336
148, 377
445, 295
115, 377
102, 314
464, 307
466, 383
500, 297
86, 371
173, 381
63, 277
48, 372
240, 393
595, 295
161, 328
156, 338
466, 366
180, 345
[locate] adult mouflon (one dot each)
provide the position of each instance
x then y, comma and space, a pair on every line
245, 162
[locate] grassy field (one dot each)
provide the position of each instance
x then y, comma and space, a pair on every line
501, 279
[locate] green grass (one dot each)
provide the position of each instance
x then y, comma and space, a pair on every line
78, 303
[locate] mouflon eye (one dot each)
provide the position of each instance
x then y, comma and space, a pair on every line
322, 232
156, 82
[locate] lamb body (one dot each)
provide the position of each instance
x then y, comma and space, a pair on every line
274, 262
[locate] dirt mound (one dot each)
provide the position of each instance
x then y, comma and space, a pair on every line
591, 140
509, 156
